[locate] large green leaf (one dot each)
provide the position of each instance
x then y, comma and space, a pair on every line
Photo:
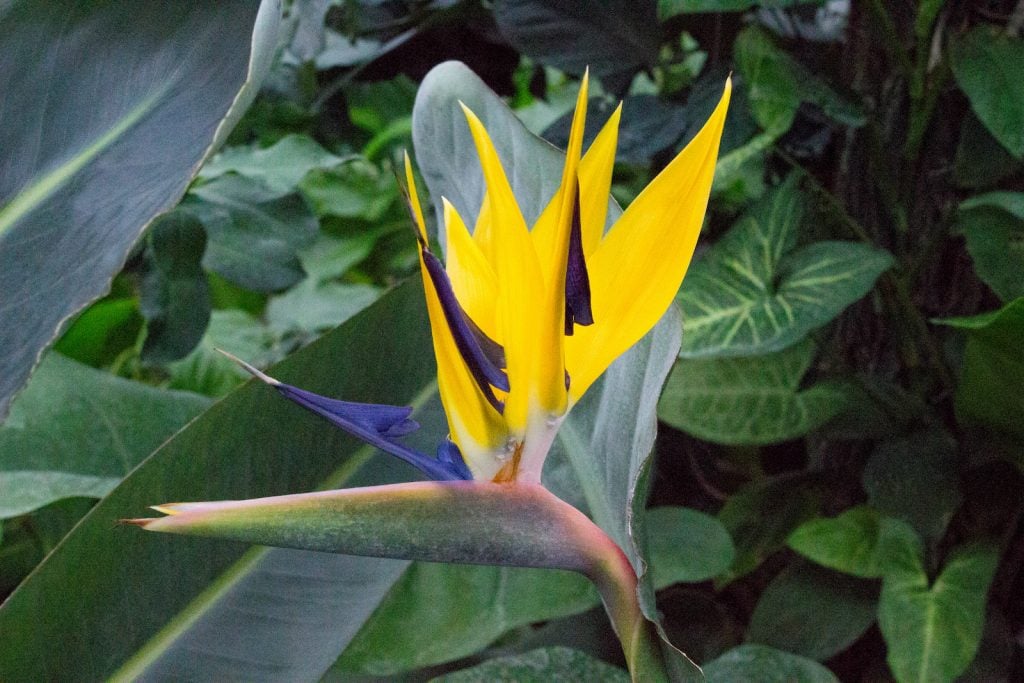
813, 612
755, 292
993, 225
933, 628
108, 109
213, 609
76, 431
757, 400
987, 64
546, 665
614, 38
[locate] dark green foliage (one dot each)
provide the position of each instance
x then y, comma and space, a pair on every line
836, 488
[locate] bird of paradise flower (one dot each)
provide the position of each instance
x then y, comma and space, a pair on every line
523, 321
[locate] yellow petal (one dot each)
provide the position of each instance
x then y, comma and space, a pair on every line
595, 179
475, 426
473, 279
551, 241
414, 200
520, 282
638, 267
596, 182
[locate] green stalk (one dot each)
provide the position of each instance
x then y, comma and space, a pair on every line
616, 581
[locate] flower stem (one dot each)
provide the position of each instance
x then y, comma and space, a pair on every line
611, 572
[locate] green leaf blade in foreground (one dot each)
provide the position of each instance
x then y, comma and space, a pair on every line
932, 629
103, 124
753, 292
213, 609
987, 64
754, 401
77, 431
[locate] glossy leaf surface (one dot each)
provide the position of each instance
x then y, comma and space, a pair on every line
755, 292
108, 110
933, 627
757, 400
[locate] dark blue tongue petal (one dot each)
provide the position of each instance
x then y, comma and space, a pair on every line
577, 280
389, 421
481, 362
376, 424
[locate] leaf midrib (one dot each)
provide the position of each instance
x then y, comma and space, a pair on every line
42, 187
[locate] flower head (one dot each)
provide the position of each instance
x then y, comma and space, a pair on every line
525, 318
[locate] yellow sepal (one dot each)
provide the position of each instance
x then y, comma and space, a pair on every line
475, 427
636, 270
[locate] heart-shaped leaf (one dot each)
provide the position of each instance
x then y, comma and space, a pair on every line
848, 542
280, 167
765, 665
108, 111
253, 231
932, 628
757, 400
813, 612
754, 292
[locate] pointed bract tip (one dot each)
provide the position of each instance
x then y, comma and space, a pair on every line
252, 370
166, 508
138, 521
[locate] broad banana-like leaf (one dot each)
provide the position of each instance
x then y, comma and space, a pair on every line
108, 110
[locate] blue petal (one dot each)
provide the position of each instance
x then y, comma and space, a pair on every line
484, 370
390, 421
577, 279
377, 425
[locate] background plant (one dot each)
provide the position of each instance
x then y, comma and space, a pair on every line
838, 471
